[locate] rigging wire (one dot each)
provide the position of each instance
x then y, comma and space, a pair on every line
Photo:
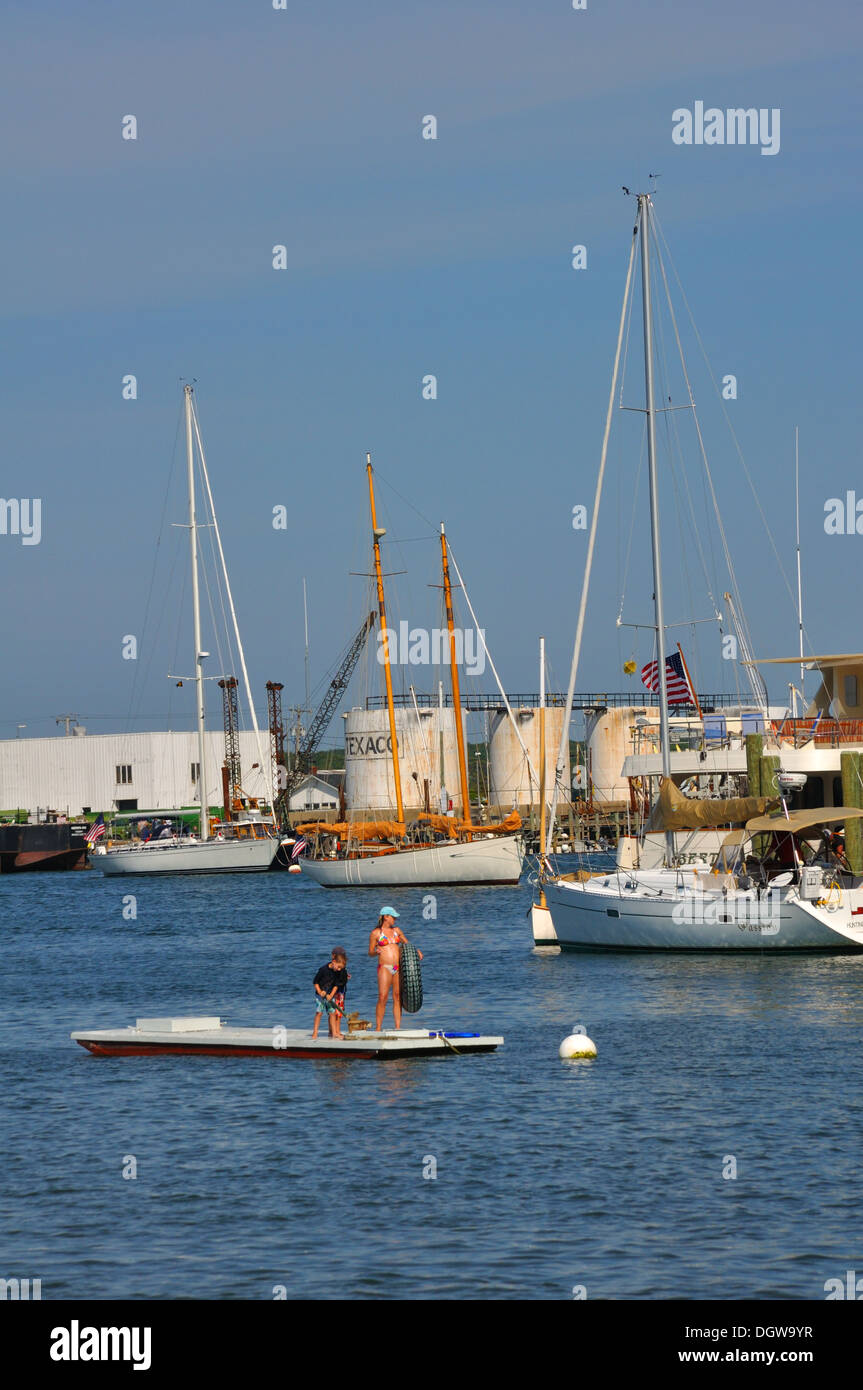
141, 673
739, 451
717, 514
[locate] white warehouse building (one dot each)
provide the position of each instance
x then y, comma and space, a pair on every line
123, 772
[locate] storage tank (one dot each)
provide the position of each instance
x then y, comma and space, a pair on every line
609, 741
369, 784
509, 776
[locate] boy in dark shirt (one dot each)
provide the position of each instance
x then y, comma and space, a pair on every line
331, 982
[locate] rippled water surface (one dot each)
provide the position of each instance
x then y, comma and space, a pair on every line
258, 1173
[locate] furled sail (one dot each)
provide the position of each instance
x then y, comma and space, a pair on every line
356, 830
674, 811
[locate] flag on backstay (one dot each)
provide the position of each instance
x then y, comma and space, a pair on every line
299, 846
96, 831
680, 692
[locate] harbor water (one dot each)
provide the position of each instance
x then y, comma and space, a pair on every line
710, 1151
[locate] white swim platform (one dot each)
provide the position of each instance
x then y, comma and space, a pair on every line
211, 1037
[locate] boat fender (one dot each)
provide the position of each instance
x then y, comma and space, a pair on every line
577, 1044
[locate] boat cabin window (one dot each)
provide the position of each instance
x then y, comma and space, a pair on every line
730, 859
849, 684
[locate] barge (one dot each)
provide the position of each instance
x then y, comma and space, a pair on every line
51, 845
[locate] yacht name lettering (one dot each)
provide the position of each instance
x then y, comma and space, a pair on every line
361, 745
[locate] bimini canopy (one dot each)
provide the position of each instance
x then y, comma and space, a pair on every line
799, 821
674, 811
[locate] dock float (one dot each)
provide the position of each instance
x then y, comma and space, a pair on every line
211, 1037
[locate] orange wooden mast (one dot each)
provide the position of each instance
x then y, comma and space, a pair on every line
456, 696
377, 533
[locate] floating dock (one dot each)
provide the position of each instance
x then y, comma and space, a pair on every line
210, 1037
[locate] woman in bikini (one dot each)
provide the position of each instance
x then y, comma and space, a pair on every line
384, 943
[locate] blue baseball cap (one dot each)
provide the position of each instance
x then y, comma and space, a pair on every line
388, 912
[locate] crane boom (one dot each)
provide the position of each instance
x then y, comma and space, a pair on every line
326, 709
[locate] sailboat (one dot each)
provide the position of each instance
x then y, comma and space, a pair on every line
245, 844
447, 851
773, 883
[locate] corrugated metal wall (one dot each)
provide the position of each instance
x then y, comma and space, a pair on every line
66, 774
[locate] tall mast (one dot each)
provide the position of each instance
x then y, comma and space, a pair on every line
230, 597
799, 579
563, 747
541, 763
453, 665
377, 532
306, 621
665, 746
196, 610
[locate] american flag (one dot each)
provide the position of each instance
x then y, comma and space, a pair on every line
299, 846
680, 692
96, 831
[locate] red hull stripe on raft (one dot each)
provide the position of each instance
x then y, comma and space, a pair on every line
103, 1049
119, 1049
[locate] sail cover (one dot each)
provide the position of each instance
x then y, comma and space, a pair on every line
355, 830
674, 811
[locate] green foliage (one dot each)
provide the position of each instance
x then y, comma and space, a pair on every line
326, 759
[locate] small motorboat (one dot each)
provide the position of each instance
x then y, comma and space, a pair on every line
211, 1037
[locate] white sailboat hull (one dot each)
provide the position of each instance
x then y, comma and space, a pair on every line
542, 926
201, 857
498, 862
588, 917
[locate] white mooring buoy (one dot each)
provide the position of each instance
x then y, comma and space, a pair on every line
578, 1044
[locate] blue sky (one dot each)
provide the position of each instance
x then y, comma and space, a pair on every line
408, 257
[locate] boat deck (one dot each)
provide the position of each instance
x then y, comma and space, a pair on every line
210, 1037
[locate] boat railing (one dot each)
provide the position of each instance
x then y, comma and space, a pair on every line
825, 733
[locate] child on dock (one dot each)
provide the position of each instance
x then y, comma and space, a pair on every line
331, 981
